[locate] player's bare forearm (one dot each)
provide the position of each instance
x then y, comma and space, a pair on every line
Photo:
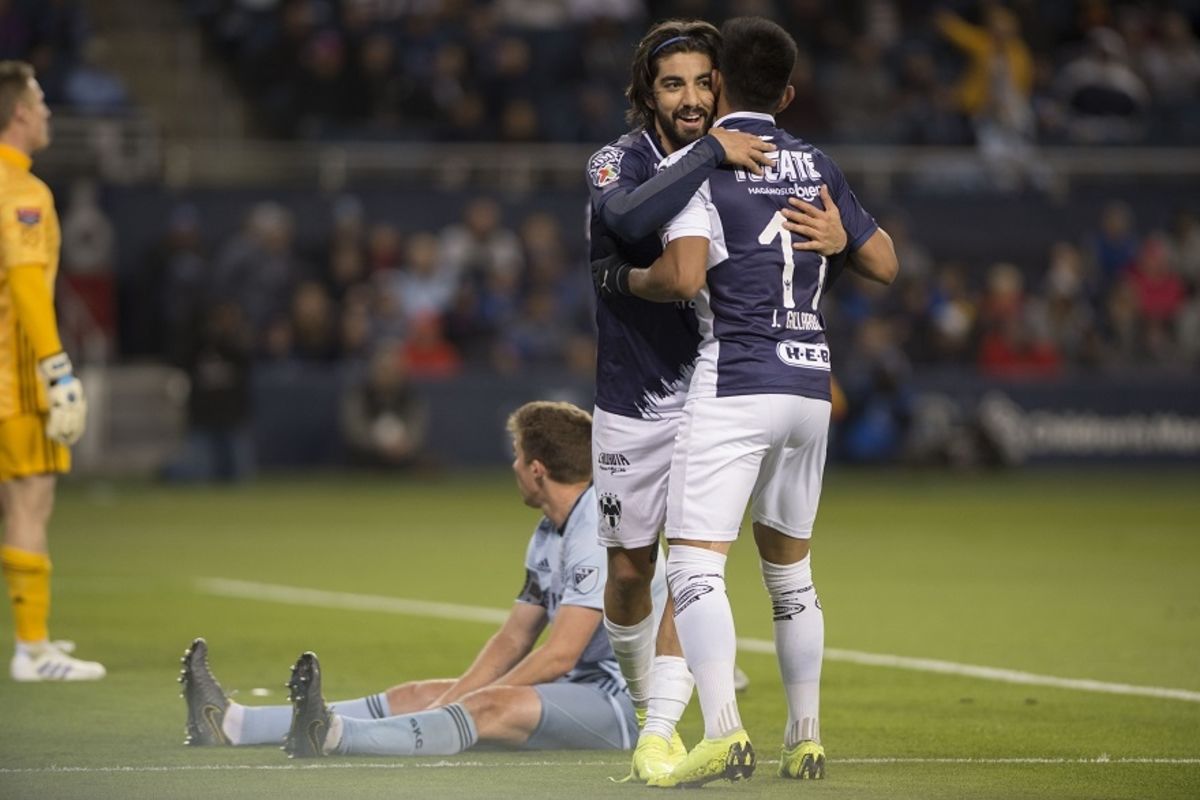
572, 632
678, 274
505, 649
876, 260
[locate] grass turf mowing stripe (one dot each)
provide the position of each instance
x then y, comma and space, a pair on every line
293, 595
1099, 761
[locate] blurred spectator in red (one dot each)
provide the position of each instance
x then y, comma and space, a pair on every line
1011, 345
1159, 290
427, 352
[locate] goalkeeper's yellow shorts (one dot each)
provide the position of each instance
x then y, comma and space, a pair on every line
25, 450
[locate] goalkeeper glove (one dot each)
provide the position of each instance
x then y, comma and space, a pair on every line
610, 275
68, 405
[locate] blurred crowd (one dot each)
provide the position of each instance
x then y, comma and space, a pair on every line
878, 71
1119, 299
55, 36
475, 294
478, 294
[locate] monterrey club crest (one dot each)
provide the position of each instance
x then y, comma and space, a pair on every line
610, 513
605, 166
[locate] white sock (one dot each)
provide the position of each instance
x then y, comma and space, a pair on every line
670, 690
799, 644
633, 645
705, 624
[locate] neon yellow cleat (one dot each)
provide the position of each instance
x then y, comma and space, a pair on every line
678, 751
805, 761
654, 757
731, 757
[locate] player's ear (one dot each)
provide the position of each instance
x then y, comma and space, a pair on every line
716, 82
789, 94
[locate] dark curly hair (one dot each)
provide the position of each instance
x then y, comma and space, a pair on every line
664, 39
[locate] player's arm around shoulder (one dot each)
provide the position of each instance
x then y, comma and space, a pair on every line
678, 274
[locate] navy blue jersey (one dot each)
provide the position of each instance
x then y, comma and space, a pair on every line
760, 319
645, 351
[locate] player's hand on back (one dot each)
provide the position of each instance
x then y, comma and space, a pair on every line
743, 149
822, 228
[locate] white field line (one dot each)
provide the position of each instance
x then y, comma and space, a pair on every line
400, 764
292, 595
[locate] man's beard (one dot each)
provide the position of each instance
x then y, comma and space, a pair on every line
666, 124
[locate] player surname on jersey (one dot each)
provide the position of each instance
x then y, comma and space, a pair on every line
797, 321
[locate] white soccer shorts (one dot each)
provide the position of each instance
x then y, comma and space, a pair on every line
765, 449
630, 461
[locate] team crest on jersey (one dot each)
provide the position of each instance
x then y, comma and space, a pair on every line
605, 166
585, 578
29, 216
610, 513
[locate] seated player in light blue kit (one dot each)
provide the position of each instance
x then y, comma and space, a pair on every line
566, 693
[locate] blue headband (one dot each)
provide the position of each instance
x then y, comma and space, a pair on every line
672, 40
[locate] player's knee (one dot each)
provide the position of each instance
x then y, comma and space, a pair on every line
631, 571
488, 704
629, 579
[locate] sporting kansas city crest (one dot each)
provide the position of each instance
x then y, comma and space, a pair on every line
605, 166
610, 513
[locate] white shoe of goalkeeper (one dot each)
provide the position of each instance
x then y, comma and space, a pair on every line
51, 661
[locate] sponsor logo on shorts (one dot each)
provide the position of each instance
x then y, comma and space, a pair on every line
610, 513
799, 354
29, 216
613, 463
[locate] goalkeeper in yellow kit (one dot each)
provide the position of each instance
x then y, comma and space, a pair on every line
42, 405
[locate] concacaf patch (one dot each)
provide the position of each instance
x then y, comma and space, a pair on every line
605, 166
29, 216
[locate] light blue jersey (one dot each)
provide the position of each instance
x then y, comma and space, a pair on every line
568, 567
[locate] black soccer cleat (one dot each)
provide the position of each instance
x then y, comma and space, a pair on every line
310, 715
206, 700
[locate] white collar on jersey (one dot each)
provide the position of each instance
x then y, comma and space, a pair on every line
745, 115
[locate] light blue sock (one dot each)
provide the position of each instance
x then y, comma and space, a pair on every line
441, 732
269, 724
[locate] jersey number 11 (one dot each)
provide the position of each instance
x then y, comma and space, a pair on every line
775, 230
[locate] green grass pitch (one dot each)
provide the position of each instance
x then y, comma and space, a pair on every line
1087, 575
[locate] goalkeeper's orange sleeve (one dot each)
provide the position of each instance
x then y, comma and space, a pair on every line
35, 308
